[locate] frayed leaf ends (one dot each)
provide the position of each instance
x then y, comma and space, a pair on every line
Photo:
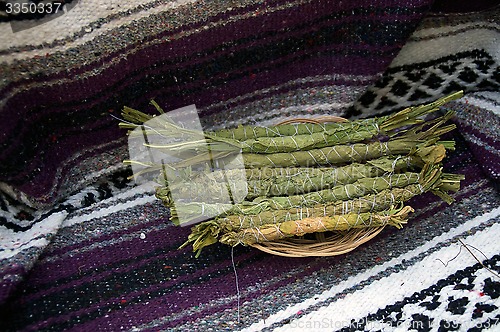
432, 154
202, 235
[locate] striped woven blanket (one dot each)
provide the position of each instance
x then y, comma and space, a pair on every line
82, 247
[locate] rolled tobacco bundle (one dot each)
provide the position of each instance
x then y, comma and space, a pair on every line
298, 179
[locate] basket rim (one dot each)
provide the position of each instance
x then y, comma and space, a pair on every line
316, 120
337, 244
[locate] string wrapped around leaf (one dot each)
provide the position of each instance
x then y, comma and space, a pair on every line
345, 179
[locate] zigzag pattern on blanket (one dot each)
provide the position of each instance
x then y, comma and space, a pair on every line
446, 53
243, 56
413, 84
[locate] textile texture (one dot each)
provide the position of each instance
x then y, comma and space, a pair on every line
82, 247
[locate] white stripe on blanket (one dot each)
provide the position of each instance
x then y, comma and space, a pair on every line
12, 243
483, 103
423, 50
436, 32
395, 287
146, 198
81, 16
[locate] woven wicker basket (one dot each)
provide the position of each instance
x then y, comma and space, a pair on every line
337, 243
322, 244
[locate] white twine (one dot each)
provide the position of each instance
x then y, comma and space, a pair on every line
237, 284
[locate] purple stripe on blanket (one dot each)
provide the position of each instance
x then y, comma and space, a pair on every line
73, 90
43, 171
313, 9
67, 147
318, 83
268, 77
51, 253
174, 302
104, 274
229, 290
125, 73
9, 280
286, 19
200, 94
128, 249
186, 47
